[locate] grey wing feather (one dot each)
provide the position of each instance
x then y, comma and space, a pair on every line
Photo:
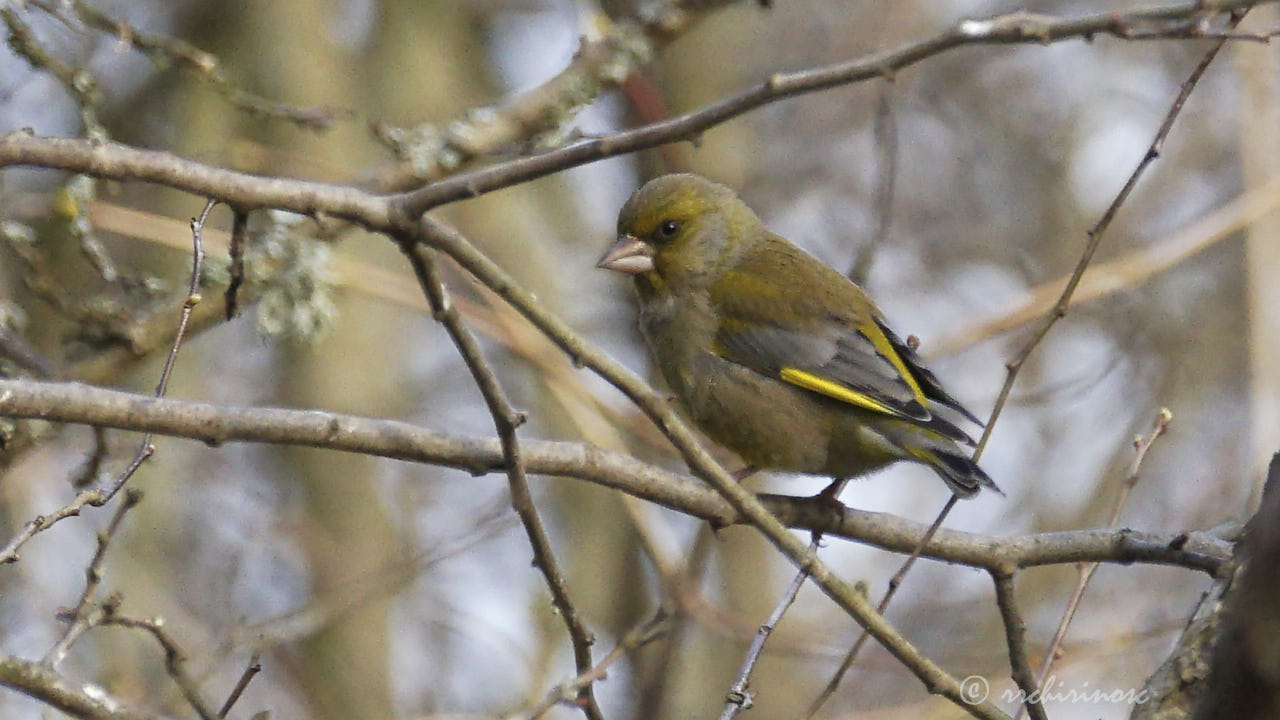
846, 357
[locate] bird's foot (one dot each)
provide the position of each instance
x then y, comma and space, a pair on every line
828, 500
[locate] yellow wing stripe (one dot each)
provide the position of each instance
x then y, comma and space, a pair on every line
882, 344
833, 389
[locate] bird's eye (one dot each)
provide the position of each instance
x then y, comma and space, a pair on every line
668, 229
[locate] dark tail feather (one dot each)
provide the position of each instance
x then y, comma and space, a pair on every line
961, 474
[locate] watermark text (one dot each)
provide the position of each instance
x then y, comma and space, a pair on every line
975, 689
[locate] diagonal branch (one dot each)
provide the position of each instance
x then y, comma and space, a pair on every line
1057, 312
1099, 229
610, 51
655, 406
81, 619
506, 419
1170, 21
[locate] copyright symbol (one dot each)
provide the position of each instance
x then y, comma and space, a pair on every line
974, 689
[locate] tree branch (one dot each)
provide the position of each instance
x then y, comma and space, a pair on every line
1015, 28
506, 420
609, 52
246, 191
216, 424
1015, 630
81, 700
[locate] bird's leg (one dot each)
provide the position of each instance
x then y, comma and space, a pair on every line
833, 490
827, 499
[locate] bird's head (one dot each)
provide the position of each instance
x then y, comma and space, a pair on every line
676, 230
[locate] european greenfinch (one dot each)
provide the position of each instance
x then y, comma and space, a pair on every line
775, 355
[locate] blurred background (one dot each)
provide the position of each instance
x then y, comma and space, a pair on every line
961, 192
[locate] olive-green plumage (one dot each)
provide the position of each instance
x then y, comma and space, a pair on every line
773, 354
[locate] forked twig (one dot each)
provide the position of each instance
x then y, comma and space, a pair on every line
98, 497
739, 698
81, 619
635, 639
1086, 570
174, 659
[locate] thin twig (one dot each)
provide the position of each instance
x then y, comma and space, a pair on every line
146, 449
894, 583
1097, 232
1059, 310
1015, 629
739, 698
79, 620
636, 638
253, 668
174, 659
1086, 570
98, 497
506, 419
885, 133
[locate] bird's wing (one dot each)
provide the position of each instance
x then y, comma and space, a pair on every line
927, 381
830, 342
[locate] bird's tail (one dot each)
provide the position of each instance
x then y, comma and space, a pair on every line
961, 474
941, 452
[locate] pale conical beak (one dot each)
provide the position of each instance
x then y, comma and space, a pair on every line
629, 255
